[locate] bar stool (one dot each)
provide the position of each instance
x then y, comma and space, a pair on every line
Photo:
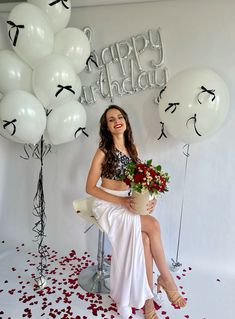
95, 278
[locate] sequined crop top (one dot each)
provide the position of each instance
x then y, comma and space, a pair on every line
121, 162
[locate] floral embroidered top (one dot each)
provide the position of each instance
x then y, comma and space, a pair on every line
121, 160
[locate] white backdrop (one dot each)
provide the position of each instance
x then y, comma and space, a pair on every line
195, 34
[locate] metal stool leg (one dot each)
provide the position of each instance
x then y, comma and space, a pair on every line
95, 278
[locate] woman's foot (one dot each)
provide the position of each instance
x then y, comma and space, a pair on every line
172, 291
149, 310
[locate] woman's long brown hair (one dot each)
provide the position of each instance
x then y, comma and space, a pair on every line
106, 143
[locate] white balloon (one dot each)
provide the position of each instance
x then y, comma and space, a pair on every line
36, 38
197, 113
73, 43
5, 134
55, 71
63, 123
15, 73
25, 116
58, 14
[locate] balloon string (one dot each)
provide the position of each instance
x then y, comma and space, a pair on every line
182, 203
39, 151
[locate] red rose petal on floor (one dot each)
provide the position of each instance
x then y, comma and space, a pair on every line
186, 316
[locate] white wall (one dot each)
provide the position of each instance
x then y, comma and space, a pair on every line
195, 34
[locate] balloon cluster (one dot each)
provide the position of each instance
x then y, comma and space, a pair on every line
39, 77
193, 105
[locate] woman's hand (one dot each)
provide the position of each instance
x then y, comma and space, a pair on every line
128, 203
151, 205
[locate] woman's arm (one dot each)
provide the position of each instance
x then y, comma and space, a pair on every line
93, 177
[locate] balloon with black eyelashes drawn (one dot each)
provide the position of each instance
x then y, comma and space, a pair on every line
194, 104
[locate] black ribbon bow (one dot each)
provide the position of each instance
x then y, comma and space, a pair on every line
170, 105
66, 87
8, 123
92, 60
194, 118
13, 25
57, 1
205, 90
162, 131
80, 129
160, 94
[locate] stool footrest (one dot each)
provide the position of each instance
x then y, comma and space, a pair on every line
94, 281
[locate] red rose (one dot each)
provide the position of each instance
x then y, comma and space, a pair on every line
127, 181
138, 178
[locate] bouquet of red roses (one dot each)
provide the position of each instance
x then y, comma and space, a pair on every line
144, 176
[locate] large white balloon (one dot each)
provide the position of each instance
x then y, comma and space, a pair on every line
35, 36
57, 12
55, 82
5, 134
23, 117
194, 104
73, 43
65, 123
15, 73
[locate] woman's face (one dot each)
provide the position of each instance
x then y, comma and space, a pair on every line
115, 121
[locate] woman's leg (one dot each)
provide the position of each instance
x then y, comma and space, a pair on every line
151, 226
148, 259
149, 305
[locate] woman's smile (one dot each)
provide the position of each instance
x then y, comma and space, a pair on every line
118, 125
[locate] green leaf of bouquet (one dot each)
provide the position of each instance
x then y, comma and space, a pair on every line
149, 162
158, 168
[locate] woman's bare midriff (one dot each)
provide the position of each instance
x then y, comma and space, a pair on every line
114, 185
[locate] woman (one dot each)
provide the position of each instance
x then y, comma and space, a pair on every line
135, 239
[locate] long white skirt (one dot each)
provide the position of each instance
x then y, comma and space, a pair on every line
128, 279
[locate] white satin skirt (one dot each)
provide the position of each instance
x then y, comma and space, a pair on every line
128, 279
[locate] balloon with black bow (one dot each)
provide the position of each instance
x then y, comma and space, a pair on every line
39, 106
192, 106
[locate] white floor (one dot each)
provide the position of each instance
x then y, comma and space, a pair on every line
210, 295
